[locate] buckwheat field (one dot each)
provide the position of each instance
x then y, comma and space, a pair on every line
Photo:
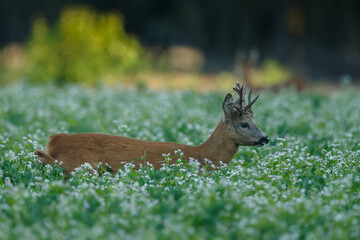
305, 184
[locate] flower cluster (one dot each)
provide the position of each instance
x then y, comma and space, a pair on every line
304, 184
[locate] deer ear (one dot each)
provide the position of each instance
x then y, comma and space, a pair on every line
228, 104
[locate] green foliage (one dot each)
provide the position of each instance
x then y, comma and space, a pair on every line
83, 46
304, 184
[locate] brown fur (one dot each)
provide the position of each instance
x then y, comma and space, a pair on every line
75, 149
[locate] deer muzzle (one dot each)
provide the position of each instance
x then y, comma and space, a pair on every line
262, 141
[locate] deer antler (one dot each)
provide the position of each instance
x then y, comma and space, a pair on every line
248, 107
241, 91
250, 103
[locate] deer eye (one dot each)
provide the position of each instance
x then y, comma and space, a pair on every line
244, 125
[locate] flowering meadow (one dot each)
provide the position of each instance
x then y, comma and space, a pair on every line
305, 184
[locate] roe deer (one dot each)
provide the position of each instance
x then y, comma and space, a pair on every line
236, 128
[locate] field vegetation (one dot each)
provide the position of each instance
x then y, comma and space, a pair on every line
305, 184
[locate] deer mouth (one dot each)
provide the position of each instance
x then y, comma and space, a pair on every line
262, 141
257, 144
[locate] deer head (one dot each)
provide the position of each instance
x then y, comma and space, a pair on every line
239, 119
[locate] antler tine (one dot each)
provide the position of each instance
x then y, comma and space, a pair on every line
250, 104
244, 92
249, 96
239, 90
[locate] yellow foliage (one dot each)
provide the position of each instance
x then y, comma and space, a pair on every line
272, 73
226, 80
84, 46
275, 73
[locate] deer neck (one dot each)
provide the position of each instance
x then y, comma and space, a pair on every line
219, 146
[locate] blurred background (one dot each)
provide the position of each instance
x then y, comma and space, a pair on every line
180, 44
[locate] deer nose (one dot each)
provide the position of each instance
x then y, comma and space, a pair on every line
264, 140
